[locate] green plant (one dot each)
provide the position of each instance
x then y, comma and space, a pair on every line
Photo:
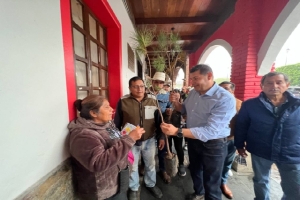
143, 38
292, 71
159, 63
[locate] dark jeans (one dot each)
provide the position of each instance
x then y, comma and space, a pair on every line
228, 160
206, 165
178, 148
161, 157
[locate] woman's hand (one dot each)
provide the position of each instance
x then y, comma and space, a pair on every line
137, 133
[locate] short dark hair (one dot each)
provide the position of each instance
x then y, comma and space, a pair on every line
270, 74
202, 68
134, 79
232, 85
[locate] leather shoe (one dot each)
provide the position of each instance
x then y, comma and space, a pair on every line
133, 195
226, 191
155, 191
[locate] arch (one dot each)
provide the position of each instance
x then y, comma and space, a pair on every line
282, 28
211, 46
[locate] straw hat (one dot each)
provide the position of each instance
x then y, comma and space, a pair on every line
159, 76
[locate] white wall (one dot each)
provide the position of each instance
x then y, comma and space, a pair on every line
127, 32
33, 100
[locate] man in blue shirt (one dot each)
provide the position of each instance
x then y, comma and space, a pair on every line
209, 109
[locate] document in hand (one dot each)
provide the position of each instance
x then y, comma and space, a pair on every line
127, 129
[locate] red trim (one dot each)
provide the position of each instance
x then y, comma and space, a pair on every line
106, 16
65, 10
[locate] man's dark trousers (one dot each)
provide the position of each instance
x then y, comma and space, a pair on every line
206, 165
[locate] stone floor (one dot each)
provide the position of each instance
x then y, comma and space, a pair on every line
240, 184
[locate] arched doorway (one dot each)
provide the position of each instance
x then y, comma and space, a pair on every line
218, 56
282, 28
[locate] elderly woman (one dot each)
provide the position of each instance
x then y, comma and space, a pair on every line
99, 153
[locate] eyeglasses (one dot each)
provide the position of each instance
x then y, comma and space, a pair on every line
138, 86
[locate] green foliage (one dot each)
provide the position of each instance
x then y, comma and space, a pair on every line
292, 71
143, 38
167, 51
159, 63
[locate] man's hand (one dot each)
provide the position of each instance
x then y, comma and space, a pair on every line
242, 152
161, 144
168, 129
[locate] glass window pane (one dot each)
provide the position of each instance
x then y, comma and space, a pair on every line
94, 52
82, 94
95, 76
81, 74
101, 35
93, 30
77, 13
104, 93
97, 92
102, 57
103, 78
79, 43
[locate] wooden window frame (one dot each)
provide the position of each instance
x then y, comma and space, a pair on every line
85, 31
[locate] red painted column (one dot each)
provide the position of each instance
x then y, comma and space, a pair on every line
67, 37
245, 49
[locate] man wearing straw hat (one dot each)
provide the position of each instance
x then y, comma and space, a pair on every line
162, 96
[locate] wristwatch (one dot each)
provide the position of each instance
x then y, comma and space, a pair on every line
179, 133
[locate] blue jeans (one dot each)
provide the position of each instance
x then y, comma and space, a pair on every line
206, 165
148, 149
290, 178
228, 160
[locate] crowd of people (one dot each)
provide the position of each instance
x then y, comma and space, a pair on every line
213, 123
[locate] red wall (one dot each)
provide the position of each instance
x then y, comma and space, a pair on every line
245, 30
105, 14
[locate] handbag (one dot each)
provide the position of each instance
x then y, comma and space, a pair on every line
124, 180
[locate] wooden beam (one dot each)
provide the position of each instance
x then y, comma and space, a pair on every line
177, 20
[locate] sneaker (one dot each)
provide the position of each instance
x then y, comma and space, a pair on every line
195, 197
181, 170
230, 173
155, 191
133, 195
185, 147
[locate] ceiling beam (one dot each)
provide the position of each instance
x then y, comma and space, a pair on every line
177, 20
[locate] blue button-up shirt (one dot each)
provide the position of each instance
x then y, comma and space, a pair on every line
209, 114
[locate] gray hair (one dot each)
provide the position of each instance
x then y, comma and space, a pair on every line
270, 74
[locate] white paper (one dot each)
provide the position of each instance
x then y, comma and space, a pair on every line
149, 112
